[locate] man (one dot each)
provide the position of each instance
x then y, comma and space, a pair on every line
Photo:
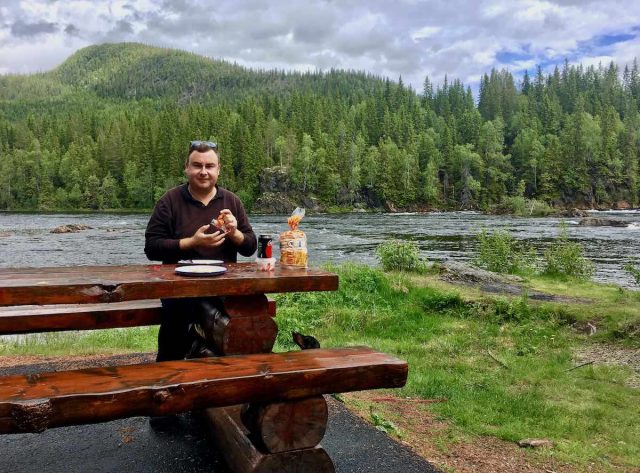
181, 228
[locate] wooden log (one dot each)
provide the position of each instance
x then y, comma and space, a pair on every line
63, 317
247, 306
243, 326
95, 284
245, 335
242, 456
289, 425
32, 403
58, 318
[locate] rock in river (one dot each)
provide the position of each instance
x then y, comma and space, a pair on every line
72, 228
603, 222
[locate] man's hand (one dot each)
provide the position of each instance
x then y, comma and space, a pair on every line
202, 240
231, 226
230, 222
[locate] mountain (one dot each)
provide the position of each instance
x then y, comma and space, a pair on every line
126, 71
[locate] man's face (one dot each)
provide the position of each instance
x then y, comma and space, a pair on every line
202, 170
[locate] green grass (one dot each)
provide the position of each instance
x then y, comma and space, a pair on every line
616, 311
130, 340
449, 335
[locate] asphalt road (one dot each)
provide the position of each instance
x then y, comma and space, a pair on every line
180, 444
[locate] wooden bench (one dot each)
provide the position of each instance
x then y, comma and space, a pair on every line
266, 411
33, 403
25, 319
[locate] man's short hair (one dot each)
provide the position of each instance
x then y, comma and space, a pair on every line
201, 147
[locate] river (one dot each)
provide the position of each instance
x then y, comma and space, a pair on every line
26, 239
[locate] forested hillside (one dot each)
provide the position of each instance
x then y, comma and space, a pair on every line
110, 128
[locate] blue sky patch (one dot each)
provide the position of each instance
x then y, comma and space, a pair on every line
597, 45
602, 44
609, 39
507, 57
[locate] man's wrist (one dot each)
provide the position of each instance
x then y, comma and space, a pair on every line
186, 243
237, 237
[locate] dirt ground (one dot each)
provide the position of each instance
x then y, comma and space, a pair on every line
430, 438
74, 362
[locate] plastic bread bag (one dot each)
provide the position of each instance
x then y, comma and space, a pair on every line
293, 243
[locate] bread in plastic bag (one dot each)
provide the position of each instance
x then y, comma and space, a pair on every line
293, 243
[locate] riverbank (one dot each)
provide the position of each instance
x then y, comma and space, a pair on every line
524, 210
497, 367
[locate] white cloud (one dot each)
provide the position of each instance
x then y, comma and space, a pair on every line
35, 56
411, 38
535, 12
425, 32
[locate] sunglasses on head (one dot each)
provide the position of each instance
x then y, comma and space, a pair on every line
210, 144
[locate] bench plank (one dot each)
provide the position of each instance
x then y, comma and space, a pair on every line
33, 403
63, 317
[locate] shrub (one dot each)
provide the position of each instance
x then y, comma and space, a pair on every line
396, 255
523, 207
633, 271
501, 253
435, 300
564, 258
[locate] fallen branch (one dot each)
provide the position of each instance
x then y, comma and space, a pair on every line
579, 366
501, 363
417, 401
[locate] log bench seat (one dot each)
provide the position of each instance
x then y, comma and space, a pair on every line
33, 403
25, 319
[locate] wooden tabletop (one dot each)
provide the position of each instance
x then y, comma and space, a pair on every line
92, 284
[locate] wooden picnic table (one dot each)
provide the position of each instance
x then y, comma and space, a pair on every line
280, 428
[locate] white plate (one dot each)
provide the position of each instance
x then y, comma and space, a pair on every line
201, 261
200, 270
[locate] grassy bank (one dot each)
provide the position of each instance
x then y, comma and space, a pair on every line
501, 363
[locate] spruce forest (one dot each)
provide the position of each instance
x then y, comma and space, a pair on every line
110, 128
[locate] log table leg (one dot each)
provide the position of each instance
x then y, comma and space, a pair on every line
232, 438
289, 425
245, 326
275, 437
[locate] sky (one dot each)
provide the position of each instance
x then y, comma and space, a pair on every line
411, 39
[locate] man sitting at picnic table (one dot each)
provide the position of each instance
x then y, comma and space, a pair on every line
185, 225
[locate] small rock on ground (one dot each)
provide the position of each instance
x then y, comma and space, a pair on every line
535, 443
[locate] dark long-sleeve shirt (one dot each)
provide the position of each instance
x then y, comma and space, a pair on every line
178, 215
